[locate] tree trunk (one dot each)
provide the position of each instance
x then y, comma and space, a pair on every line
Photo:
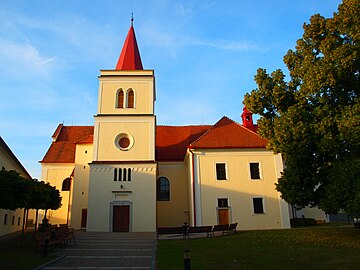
27, 218
36, 219
23, 228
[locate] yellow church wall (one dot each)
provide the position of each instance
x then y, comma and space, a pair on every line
139, 193
55, 174
239, 189
142, 132
80, 183
176, 211
142, 84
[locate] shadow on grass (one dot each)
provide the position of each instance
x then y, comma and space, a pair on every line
15, 255
317, 248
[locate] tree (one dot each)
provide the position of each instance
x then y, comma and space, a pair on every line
18, 192
43, 196
314, 118
13, 190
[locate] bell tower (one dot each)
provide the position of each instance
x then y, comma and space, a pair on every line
247, 119
122, 184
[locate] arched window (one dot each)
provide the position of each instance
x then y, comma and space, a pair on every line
124, 175
130, 96
120, 99
115, 174
120, 174
163, 189
66, 184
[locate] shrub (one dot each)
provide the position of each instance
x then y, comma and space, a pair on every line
302, 222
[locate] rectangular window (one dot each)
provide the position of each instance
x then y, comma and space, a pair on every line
5, 219
19, 219
255, 170
223, 202
258, 204
220, 171
124, 175
129, 174
13, 220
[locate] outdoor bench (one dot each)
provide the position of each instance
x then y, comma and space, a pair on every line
69, 234
172, 230
50, 238
220, 228
232, 227
200, 229
45, 240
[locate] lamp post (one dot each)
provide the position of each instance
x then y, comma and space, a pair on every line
187, 261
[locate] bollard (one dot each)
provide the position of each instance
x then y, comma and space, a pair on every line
187, 261
46, 247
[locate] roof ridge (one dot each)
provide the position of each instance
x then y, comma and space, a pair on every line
79, 126
207, 132
184, 125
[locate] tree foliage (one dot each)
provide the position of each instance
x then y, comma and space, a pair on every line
314, 118
11, 183
18, 192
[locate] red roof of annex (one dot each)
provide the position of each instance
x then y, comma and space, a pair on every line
171, 142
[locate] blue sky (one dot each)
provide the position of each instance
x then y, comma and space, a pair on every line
204, 53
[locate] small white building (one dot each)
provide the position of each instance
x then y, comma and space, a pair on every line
11, 221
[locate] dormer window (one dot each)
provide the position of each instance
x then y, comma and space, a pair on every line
120, 99
130, 98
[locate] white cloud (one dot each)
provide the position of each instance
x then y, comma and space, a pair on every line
17, 58
160, 38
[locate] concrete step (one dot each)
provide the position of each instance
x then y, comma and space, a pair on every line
102, 262
105, 252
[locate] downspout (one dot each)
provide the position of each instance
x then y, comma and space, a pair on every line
68, 210
193, 183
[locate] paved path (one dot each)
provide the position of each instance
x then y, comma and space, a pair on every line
107, 251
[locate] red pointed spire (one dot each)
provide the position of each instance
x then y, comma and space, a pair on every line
130, 56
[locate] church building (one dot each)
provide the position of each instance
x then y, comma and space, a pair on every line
128, 174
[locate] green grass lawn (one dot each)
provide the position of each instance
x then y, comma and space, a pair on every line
320, 247
16, 256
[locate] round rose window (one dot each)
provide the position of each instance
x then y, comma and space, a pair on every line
124, 141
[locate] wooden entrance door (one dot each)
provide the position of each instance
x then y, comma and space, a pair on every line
121, 218
83, 217
223, 215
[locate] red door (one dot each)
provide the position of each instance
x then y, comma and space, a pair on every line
223, 216
83, 217
121, 218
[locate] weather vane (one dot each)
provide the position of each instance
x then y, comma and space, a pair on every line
132, 18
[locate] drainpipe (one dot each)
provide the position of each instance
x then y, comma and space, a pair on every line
193, 182
68, 210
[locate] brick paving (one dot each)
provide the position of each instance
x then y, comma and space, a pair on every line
107, 251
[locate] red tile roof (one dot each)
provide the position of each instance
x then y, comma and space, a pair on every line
62, 150
130, 56
228, 134
171, 141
